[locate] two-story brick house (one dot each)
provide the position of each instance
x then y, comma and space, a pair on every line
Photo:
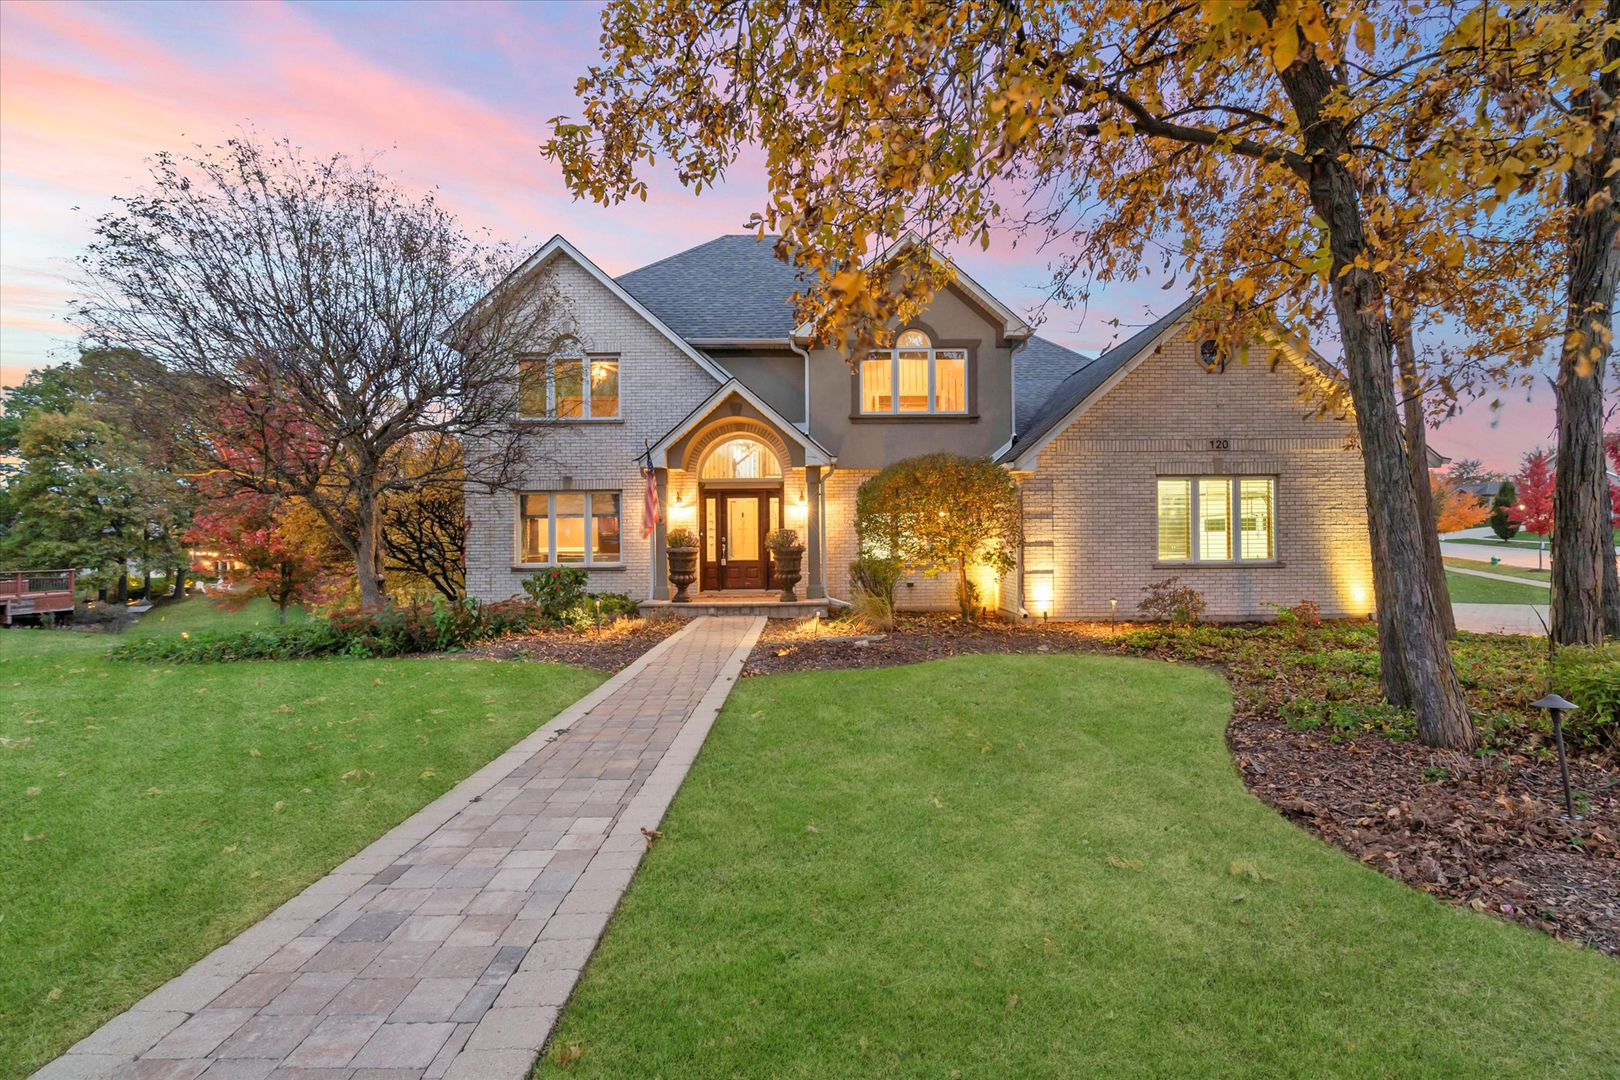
1151, 460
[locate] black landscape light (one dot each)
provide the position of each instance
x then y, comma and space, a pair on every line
1557, 706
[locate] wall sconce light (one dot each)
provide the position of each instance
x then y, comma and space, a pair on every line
1113, 615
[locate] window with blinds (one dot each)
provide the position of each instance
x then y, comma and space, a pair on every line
1217, 519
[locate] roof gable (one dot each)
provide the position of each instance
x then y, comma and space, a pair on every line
558, 247
1012, 327
1091, 382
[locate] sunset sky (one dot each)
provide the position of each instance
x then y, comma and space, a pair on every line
456, 98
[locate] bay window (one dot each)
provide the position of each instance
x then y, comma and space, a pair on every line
1217, 519
914, 377
569, 528
567, 386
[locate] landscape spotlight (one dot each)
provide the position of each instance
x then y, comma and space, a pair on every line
1557, 706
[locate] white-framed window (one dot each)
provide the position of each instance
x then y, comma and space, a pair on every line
569, 528
568, 385
741, 458
914, 377
1217, 519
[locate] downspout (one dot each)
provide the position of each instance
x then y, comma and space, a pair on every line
804, 354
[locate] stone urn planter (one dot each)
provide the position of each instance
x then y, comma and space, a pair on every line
789, 557
683, 560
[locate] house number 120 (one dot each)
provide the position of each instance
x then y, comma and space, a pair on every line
1220, 444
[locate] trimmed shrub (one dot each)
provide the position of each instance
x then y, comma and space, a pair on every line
681, 538
393, 631
556, 590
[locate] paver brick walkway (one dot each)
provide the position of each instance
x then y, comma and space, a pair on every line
446, 948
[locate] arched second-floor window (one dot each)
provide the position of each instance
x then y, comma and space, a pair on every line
914, 377
741, 458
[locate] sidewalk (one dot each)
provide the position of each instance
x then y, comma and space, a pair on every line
447, 947
1529, 619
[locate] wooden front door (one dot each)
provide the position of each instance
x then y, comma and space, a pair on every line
733, 527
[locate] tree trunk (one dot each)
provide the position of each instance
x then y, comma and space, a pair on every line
146, 587
1392, 510
1585, 592
179, 589
368, 552
1417, 457
964, 599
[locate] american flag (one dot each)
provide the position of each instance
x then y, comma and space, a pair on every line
649, 513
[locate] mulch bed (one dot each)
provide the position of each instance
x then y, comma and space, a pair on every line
1484, 831
610, 649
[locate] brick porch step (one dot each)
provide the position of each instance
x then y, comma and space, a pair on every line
753, 604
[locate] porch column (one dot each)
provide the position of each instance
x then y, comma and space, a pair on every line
813, 588
660, 556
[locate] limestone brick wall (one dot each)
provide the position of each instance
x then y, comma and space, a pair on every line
658, 385
1090, 508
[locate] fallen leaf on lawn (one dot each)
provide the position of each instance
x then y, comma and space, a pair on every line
228, 850
285, 708
254, 753
1124, 864
428, 774
34, 790
937, 803
1012, 1001
30, 839
276, 809
151, 791
978, 963
200, 690
307, 791
1245, 868
811, 828
56, 992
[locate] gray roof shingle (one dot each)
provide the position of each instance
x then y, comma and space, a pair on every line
732, 288
1038, 369
1079, 386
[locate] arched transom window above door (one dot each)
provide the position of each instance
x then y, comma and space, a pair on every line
914, 377
741, 458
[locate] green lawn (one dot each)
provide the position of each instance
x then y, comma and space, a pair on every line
149, 813
201, 614
1527, 573
1015, 866
1520, 539
1469, 589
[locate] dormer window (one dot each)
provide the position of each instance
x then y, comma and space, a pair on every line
914, 377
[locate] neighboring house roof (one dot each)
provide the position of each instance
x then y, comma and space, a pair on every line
732, 288
1435, 458
558, 247
1484, 489
1053, 414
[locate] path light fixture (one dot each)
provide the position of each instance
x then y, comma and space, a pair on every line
1113, 616
1557, 707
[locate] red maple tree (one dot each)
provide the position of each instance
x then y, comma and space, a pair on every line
278, 556
1533, 509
